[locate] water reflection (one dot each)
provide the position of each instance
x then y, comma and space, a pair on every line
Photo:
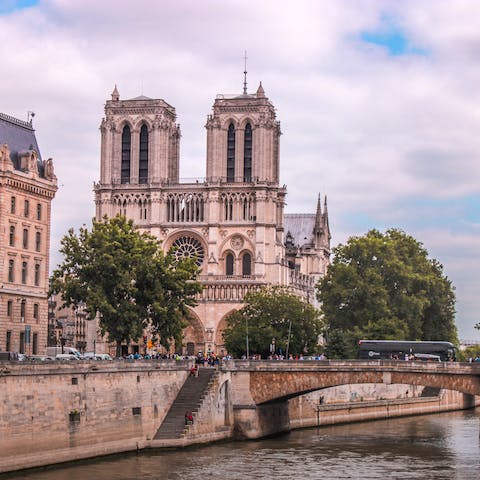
444, 446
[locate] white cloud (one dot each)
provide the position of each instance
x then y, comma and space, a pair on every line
373, 131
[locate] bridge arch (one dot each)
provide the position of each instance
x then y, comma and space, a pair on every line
278, 381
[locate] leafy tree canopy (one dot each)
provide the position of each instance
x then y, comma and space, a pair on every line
272, 313
384, 286
125, 277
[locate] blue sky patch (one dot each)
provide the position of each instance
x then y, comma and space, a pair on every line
391, 37
8, 6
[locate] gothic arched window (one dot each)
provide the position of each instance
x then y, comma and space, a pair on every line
246, 264
143, 159
231, 154
247, 154
229, 264
125, 166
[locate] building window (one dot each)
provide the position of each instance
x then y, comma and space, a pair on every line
8, 343
143, 159
126, 143
35, 344
10, 308
39, 211
22, 342
24, 272
229, 264
13, 205
246, 264
231, 154
26, 208
35, 311
12, 236
38, 241
247, 154
37, 274
11, 270
23, 306
25, 238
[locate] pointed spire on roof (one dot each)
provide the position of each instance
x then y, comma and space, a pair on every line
115, 94
318, 215
245, 75
325, 219
260, 91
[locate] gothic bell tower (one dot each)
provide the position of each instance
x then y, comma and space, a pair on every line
243, 139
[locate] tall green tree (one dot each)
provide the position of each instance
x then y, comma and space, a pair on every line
273, 313
124, 276
384, 286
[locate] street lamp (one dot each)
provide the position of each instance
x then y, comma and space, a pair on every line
246, 337
288, 339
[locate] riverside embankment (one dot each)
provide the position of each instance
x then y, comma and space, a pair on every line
53, 413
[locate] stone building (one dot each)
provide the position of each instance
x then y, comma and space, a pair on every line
27, 187
232, 221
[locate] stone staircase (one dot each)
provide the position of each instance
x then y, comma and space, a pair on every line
188, 399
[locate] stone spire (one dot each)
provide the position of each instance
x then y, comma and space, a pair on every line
260, 91
318, 216
115, 94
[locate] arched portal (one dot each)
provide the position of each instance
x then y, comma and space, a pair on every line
219, 342
193, 336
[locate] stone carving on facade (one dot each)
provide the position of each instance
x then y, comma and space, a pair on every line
211, 258
251, 233
5, 157
223, 233
205, 232
164, 231
209, 334
259, 257
237, 242
212, 122
49, 171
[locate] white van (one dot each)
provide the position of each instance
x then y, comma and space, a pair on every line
54, 351
67, 356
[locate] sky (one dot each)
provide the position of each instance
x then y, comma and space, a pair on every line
379, 103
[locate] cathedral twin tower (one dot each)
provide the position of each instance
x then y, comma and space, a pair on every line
233, 223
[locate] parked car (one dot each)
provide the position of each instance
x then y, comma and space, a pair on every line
96, 356
40, 358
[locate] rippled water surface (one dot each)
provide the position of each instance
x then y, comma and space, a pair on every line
430, 447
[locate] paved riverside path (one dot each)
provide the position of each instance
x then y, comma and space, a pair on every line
188, 399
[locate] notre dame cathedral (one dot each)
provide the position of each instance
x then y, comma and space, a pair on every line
232, 222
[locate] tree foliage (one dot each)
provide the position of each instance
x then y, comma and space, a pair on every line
125, 277
384, 286
270, 314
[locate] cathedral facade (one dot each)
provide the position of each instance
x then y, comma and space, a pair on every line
232, 222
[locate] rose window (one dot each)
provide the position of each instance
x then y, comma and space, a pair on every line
188, 247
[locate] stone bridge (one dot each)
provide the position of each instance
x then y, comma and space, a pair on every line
260, 389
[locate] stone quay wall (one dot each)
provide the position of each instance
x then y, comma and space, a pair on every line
396, 401
52, 413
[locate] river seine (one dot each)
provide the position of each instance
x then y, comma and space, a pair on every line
428, 447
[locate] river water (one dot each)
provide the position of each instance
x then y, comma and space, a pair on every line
428, 447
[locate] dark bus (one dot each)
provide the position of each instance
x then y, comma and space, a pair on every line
404, 349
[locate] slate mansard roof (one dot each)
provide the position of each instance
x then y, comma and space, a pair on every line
20, 138
300, 226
